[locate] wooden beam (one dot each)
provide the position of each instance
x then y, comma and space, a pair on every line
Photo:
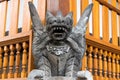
109, 6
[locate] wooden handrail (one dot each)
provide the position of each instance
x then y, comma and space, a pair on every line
20, 37
102, 44
15, 79
109, 6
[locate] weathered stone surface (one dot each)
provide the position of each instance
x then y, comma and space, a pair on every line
59, 78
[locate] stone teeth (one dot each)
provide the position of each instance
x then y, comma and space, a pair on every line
60, 28
63, 29
54, 28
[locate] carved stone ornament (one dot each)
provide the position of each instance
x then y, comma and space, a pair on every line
58, 47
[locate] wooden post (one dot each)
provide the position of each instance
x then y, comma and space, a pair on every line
73, 8
105, 64
109, 65
95, 65
11, 62
17, 63
1, 61
3, 12
90, 66
24, 60
105, 22
5, 63
100, 64
114, 25
14, 17
96, 31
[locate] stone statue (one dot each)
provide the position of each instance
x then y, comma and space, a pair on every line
58, 47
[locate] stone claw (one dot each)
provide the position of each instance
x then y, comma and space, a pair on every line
85, 74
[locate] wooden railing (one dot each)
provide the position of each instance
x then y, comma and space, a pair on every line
102, 55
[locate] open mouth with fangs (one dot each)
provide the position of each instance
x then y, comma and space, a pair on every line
58, 32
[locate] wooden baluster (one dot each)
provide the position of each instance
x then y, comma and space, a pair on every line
117, 66
17, 63
109, 65
95, 64
5, 63
24, 60
105, 64
100, 64
84, 61
1, 51
11, 63
113, 66
90, 66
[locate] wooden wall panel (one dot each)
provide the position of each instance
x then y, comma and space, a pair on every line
3, 11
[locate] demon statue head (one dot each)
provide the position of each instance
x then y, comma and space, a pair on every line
58, 47
58, 27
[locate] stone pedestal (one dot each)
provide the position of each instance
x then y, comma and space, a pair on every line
61, 78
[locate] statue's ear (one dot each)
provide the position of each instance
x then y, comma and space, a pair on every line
37, 24
70, 15
48, 14
81, 25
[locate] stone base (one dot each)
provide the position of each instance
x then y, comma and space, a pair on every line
59, 78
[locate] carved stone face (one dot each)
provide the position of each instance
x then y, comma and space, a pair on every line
59, 27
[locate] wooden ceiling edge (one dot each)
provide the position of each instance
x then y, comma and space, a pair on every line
106, 46
17, 38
